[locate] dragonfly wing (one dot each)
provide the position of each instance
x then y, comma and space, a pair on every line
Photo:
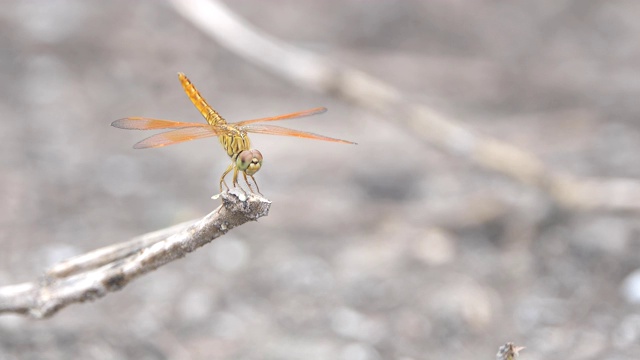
299, 114
278, 130
141, 123
176, 136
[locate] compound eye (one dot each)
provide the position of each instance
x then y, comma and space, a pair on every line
249, 161
244, 159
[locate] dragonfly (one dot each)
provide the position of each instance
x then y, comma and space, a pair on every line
232, 136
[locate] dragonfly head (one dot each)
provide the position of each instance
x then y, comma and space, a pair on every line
249, 161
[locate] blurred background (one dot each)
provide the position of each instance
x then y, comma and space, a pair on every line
389, 249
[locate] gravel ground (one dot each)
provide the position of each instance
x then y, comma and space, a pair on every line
386, 250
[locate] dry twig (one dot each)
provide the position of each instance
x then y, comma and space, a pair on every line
95, 274
313, 71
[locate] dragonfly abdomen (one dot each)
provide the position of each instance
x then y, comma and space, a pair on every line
212, 116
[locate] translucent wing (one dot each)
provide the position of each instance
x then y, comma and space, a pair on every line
141, 123
299, 114
176, 136
278, 130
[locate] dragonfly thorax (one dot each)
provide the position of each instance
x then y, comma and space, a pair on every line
249, 161
234, 141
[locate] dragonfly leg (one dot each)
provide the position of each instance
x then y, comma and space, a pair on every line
223, 176
244, 174
235, 176
255, 182
235, 180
